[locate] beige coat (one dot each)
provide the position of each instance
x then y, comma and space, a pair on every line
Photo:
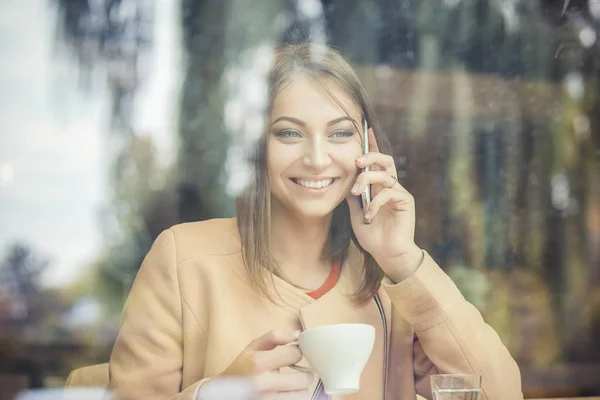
191, 312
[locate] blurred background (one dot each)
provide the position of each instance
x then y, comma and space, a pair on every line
120, 118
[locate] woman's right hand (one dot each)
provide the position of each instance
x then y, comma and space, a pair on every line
261, 361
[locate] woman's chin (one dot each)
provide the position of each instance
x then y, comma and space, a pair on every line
314, 212
301, 209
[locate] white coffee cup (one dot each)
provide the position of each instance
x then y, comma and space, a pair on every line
337, 354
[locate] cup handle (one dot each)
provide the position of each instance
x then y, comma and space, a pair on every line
303, 369
299, 367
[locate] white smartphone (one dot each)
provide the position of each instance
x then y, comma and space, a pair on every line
366, 194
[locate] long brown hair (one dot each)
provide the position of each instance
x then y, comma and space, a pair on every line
327, 66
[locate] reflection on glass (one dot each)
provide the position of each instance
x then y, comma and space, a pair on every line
456, 387
122, 118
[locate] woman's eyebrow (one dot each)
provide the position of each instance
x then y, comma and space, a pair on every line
302, 123
338, 120
290, 119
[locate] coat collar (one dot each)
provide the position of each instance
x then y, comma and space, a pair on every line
336, 306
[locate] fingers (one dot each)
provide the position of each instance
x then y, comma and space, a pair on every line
279, 357
373, 178
383, 161
290, 382
397, 199
356, 211
272, 339
270, 353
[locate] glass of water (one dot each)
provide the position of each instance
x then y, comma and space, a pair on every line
456, 387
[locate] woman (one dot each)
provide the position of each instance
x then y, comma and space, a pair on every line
221, 298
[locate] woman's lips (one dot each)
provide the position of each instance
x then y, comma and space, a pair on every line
314, 183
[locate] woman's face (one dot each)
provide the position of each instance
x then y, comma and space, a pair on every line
312, 148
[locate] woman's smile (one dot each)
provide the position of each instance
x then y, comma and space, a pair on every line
314, 184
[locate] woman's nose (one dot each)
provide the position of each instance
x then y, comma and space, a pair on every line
316, 155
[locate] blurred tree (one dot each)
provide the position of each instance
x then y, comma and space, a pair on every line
20, 274
144, 202
30, 312
110, 37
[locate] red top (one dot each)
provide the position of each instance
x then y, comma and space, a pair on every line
330, 282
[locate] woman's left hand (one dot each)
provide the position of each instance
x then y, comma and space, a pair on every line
390, 237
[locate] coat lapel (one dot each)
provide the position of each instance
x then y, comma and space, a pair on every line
400, 385
336, 306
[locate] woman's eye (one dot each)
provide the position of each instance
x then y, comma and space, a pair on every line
288, 134
342, 134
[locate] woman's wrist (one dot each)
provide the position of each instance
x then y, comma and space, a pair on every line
403, 267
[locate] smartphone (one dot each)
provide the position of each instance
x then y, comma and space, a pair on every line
366, 194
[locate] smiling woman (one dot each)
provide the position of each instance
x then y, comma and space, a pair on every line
312, 164
224, 298
316, 106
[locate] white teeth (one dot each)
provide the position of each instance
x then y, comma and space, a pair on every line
315, 184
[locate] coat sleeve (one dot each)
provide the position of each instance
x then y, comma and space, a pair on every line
147, 358
451, 335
